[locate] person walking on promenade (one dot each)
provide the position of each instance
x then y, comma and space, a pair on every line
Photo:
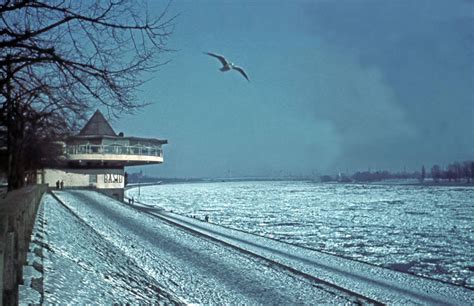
62, 184
57, 184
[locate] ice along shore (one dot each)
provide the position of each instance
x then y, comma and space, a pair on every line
133, 254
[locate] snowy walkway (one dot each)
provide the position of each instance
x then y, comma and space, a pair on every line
80, 267
104, 241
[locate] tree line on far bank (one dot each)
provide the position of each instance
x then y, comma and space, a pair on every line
454, 172
457, 171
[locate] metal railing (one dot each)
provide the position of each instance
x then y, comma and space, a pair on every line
115, 149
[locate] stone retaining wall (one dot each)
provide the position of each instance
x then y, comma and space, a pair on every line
17, 216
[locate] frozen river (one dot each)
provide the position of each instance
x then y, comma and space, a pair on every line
427, 231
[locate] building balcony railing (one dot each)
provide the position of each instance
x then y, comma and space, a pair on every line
154, 151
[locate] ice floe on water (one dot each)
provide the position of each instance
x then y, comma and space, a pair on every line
428, 231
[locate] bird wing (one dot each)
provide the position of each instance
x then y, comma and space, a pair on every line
241, 71
219, 57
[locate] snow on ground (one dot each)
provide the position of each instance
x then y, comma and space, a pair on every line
80, 266
122, 254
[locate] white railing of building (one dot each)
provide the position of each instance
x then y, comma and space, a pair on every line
115, 149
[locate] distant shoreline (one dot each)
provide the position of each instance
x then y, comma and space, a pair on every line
385, 182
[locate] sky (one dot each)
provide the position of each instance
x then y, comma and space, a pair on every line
335, 86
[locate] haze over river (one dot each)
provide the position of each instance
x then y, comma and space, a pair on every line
424, 230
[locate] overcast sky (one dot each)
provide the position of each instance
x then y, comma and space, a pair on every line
334, 85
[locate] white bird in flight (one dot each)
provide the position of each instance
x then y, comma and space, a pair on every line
226, 65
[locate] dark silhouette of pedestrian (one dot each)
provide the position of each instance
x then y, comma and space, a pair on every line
133, 200
57, 184
62, 184
206, 218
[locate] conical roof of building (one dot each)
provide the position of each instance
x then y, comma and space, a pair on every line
97, 125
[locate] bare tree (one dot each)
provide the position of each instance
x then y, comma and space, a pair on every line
423, 174
436, 173
60, 59
472, 170
466, 170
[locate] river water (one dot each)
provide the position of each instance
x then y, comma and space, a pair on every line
424, 230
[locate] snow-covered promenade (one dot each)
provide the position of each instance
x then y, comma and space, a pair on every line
101, 250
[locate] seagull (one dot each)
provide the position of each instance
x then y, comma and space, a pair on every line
226, 65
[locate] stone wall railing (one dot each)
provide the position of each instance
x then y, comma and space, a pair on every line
17, 216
